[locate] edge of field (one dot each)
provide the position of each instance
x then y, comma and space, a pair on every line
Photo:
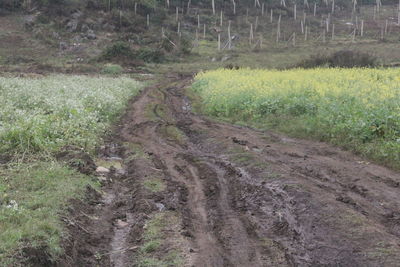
294, 127
37, 192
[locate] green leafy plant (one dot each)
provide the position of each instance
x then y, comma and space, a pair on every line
116, 51
151, 55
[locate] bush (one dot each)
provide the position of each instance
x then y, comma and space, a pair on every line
112, 69
186, 45
151, 55
340, 59
118, 50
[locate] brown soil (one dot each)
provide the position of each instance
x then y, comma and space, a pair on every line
243, 197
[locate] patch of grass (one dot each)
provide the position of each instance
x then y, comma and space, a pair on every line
154, 185
109, 163
382, 250
173, 133
154, 237
135, 151
112, 69
154, 112
32, 195
243, 157
154, 227
150, 246
271, 176
150, 262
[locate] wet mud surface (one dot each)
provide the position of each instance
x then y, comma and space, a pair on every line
190, 191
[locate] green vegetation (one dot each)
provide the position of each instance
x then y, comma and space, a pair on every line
155, 112
341, 59
173, 133
112, 69
39, 117
32, 195
43, 115
155, 241
135, 151
354, 108
150, 246
154, 184
151, 55
118, 50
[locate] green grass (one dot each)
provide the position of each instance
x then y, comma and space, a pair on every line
173, 133
150, 246
32, 196
38, 117
152, 252
155, 112
43, 115
112, 69
135, 151
154, 184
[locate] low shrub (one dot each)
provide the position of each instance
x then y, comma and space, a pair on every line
186, 45
340, 59
119, 50
112, 69
151, 55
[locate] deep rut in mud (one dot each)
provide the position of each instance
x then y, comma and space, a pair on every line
194, 192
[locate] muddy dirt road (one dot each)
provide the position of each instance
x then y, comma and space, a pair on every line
193, 192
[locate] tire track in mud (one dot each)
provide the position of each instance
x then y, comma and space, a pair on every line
243, 197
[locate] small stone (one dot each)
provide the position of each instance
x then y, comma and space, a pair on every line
115, 158
160, 206
191, 250
121, 224
102, 170
121, 172
102, 179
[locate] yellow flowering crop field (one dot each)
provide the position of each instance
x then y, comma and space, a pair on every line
355, 108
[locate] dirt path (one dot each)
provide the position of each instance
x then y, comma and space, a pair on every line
222, 195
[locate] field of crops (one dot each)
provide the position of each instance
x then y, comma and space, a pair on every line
37, 118
39, 115
356, 108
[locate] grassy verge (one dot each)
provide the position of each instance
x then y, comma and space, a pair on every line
38, 118
32, 196
354, 108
